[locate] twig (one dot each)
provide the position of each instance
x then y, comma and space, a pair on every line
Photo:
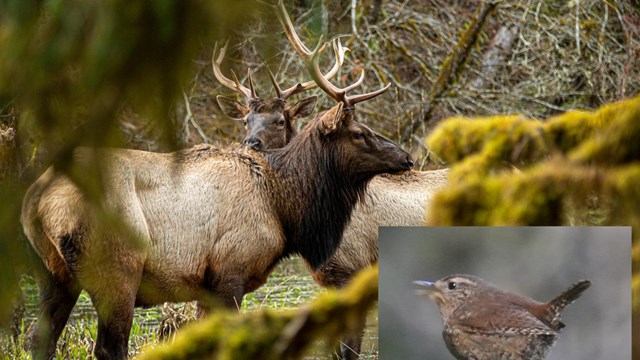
354, 3
577, 26
189, 118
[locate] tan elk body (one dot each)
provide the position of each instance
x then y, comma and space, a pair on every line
171, 216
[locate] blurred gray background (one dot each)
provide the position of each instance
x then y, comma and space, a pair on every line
538, 262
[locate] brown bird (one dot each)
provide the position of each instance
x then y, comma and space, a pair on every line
482, 322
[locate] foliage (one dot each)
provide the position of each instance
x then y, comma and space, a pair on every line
452, 65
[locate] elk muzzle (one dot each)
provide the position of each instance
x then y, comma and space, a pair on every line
398, 160
253, 142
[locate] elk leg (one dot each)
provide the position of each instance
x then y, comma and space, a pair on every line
114, 300
115, 315
350, 343
227, 291
231, 301
202, 310
57, 299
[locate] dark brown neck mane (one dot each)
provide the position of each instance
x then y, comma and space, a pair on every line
317, 195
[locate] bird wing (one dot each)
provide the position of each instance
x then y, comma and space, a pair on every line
504, 319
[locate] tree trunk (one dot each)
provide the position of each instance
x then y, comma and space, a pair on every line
376, 8
499, 50
338, 16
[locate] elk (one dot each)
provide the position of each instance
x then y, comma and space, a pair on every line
390, 200
202, 224
260, 114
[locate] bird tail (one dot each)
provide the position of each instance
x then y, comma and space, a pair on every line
570, 295
567, 297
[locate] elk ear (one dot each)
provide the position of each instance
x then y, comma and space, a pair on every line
232, 108
302, 108
331, 119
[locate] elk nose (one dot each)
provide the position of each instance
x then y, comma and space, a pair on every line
409, 162
253, 143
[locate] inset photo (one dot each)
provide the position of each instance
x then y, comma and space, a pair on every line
490, 293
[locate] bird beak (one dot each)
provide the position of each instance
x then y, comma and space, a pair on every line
431, 290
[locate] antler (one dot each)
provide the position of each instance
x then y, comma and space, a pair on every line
338, 51
249, 93
311, 60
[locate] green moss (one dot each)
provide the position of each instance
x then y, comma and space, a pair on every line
569, 129
488, 143
606, 135
615, 138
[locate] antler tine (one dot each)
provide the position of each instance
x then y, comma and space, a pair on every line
251, 87
238, 85
355, 84
233, 85
311, 60
279, 92
340, 94
313, 68
338, 51
363, 97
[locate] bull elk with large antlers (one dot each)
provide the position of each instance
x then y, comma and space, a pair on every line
200, 223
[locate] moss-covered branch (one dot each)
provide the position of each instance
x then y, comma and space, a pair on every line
607, 136
562, 159
271, 334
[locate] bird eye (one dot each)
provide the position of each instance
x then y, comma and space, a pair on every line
452, 285
281, 122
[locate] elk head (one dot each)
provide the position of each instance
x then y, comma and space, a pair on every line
269, 123
361, 149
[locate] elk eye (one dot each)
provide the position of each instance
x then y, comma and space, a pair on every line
452, 285
281, 122
358, 135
